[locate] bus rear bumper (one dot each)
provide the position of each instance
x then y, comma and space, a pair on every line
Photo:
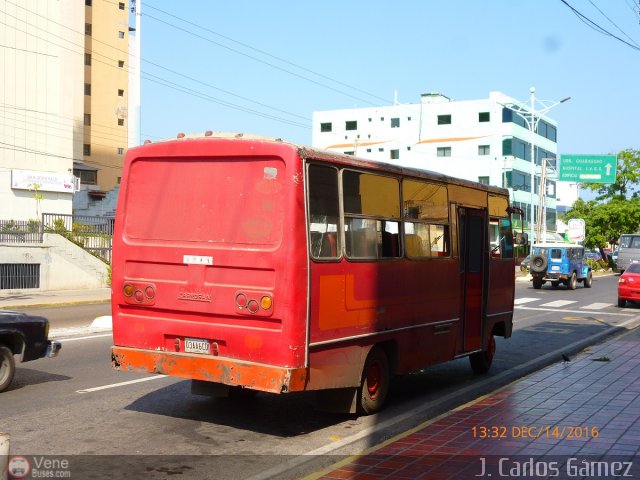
228, 371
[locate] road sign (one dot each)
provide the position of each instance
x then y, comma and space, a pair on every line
588, 168
576, 230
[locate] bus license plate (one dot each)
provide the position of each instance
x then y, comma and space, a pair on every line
196, 345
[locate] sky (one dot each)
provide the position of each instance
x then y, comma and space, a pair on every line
263, 67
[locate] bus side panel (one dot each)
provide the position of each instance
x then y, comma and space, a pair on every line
412, 305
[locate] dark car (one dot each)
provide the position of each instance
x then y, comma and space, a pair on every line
592, 255
26, 335
629, 285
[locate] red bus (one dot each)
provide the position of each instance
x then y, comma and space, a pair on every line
250, 263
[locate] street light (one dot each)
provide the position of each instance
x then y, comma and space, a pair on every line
532, 118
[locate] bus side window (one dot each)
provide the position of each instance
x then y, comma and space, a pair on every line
324, 212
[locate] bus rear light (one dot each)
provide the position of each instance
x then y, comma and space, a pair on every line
241, 300
139, 293
266, 302
252, 306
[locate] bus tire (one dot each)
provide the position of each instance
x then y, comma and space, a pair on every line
7, 367
374, 385
573, 281
481, 361
588, 281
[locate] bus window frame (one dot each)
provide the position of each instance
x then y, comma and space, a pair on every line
338, 237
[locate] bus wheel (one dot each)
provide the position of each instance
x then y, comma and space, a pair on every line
573, 281
481, 361
374, 385
588, 281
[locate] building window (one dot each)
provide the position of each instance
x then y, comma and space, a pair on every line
394, 154
121, 121
483, 180
444, 119
121, 63
408, 149
444, 151
382, 119
350, 152
381, 149
369, 119
408, 119
87, 89
87, 59
484, 116
86, 149
395, 123
351, 125
121, 5
120, 34
368, 150
87, 3
326, 127
120, 92
87, 119
87, 177
484, 150
120, 151
87, 29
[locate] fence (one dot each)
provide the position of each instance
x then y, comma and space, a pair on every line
94, 234
17, 231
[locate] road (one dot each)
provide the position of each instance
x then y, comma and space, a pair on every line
76, 406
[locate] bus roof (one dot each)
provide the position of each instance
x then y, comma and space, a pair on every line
308, 153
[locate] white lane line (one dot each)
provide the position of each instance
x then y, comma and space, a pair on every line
597, 306
520, 301
538, 309
74, 339
558, 303
121, 384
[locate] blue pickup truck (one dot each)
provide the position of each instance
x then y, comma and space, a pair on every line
25, 335
560, 263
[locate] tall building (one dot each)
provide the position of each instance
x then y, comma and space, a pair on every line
483, 140
63, 102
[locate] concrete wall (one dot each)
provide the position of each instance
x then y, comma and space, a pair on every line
63, 265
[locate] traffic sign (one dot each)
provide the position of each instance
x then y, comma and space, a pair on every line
588, 168
576, 230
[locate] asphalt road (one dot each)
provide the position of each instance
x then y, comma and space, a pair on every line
76, 406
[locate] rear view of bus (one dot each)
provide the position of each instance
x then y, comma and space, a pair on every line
203, 290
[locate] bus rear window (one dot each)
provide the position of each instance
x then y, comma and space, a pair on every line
206, 200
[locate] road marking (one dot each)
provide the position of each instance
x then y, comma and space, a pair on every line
573, 311
558, 303
597, 306
74, 339
121, 384
520, 301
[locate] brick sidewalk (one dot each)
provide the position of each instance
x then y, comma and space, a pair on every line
551, 422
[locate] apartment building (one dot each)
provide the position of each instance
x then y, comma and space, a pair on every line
484, 140
63, 102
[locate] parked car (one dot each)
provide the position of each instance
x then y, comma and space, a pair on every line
629, 285
592, 255
25, 335
560, 263
614, 255
524, 265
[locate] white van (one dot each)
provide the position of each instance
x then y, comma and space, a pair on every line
628, 251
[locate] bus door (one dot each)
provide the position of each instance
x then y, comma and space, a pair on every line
472, 241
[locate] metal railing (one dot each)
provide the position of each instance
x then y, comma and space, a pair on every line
18, 231
94, 234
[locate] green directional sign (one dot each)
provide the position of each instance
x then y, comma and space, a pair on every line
588, 168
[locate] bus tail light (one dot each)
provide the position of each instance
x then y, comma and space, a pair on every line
138, 293
254, 303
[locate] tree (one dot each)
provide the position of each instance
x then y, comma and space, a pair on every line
627, 176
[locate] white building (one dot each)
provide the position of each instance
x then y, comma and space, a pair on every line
481, 140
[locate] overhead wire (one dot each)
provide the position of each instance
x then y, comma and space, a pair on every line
614, 23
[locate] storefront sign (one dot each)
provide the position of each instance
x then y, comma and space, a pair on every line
42, 181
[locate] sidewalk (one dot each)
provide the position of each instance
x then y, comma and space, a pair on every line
38, 298
577, 419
